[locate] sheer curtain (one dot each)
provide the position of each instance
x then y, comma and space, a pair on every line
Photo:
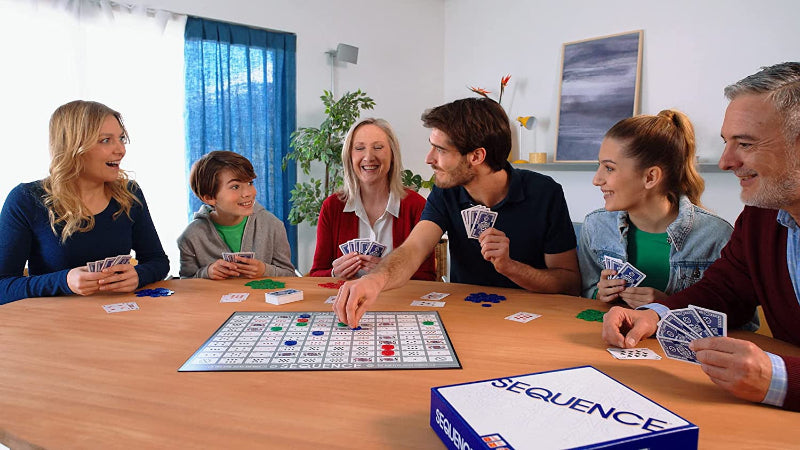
240, 96
128, 59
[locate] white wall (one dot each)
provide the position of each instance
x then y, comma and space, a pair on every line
399, 61
691, 51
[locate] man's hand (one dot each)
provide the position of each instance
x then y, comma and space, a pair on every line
355, 297
221, 269
638, 296
625, 327
119, 278
494, 247
737, 366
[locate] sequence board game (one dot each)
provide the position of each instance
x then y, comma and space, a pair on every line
280, 341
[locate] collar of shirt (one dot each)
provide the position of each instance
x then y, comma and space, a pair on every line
515, 192
786, 219
354, 205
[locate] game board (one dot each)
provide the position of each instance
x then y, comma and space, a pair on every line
279, 341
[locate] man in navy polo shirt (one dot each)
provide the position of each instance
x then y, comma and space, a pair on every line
470, 142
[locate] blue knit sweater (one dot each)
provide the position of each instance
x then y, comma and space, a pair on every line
26, 236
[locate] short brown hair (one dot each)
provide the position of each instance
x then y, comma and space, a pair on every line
203, 177
472, 123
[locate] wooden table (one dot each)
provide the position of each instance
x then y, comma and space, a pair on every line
73, 376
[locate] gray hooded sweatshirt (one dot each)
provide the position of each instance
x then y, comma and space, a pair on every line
200, 244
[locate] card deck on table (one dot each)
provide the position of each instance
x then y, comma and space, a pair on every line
523, 317
428, 303
633, 353
283, 296
121, 307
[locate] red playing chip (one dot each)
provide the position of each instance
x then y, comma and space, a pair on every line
387, 353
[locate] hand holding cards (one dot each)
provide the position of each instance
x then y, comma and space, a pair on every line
681, 326
477, 219
625, 271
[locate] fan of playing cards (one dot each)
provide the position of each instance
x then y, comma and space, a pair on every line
97, 266
363, 246
681, 326
625, 270
231, 257
477, 219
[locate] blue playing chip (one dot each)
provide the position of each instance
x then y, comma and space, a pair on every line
157, 292
318, 333
305, 316
290, 343
486, 305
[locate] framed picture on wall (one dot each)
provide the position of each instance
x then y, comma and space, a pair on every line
599, 86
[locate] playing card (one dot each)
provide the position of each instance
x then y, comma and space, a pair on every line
227, 256
248, 255
669, 331
632, 276
435, 295
331, 299
678, 350
609, 262
633, 353
678, 323
122, 259
717, 322
108, 262
376, 249
235, 297
120, 307
692, 320
523, 317
91, 266
428, 303
344, 248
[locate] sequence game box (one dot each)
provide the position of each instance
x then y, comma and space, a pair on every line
579, 407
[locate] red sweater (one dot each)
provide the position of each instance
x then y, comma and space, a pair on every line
336, 226
752, 271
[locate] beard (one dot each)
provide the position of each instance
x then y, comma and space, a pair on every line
778, 192
458, 176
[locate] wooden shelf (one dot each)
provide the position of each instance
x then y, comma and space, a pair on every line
592, 166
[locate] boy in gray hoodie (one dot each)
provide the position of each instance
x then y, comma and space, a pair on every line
231, 221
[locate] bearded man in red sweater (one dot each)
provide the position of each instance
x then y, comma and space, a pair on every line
761, 263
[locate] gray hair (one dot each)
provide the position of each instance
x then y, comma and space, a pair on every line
781, 82
351, 187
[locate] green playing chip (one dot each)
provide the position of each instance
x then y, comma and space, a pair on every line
265, 284
591, 315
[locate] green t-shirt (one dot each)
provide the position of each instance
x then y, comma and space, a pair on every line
649, 252
232, 235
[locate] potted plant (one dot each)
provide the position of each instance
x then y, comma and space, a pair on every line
324, 145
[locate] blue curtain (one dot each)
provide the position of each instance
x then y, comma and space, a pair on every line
240, 96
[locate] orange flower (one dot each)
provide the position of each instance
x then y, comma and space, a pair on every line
480, 91
484, 93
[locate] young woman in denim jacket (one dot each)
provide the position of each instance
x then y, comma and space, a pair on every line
652, 216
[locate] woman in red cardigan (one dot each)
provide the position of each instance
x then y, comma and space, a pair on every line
373, 204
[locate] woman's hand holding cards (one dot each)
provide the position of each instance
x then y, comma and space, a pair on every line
608, 288
119, 278
346, 266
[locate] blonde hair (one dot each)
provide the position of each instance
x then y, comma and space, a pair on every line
351, 187
74, 129
665, 140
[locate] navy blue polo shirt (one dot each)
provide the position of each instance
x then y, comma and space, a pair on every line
533, 215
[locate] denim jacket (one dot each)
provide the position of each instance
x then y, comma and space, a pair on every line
696, 239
